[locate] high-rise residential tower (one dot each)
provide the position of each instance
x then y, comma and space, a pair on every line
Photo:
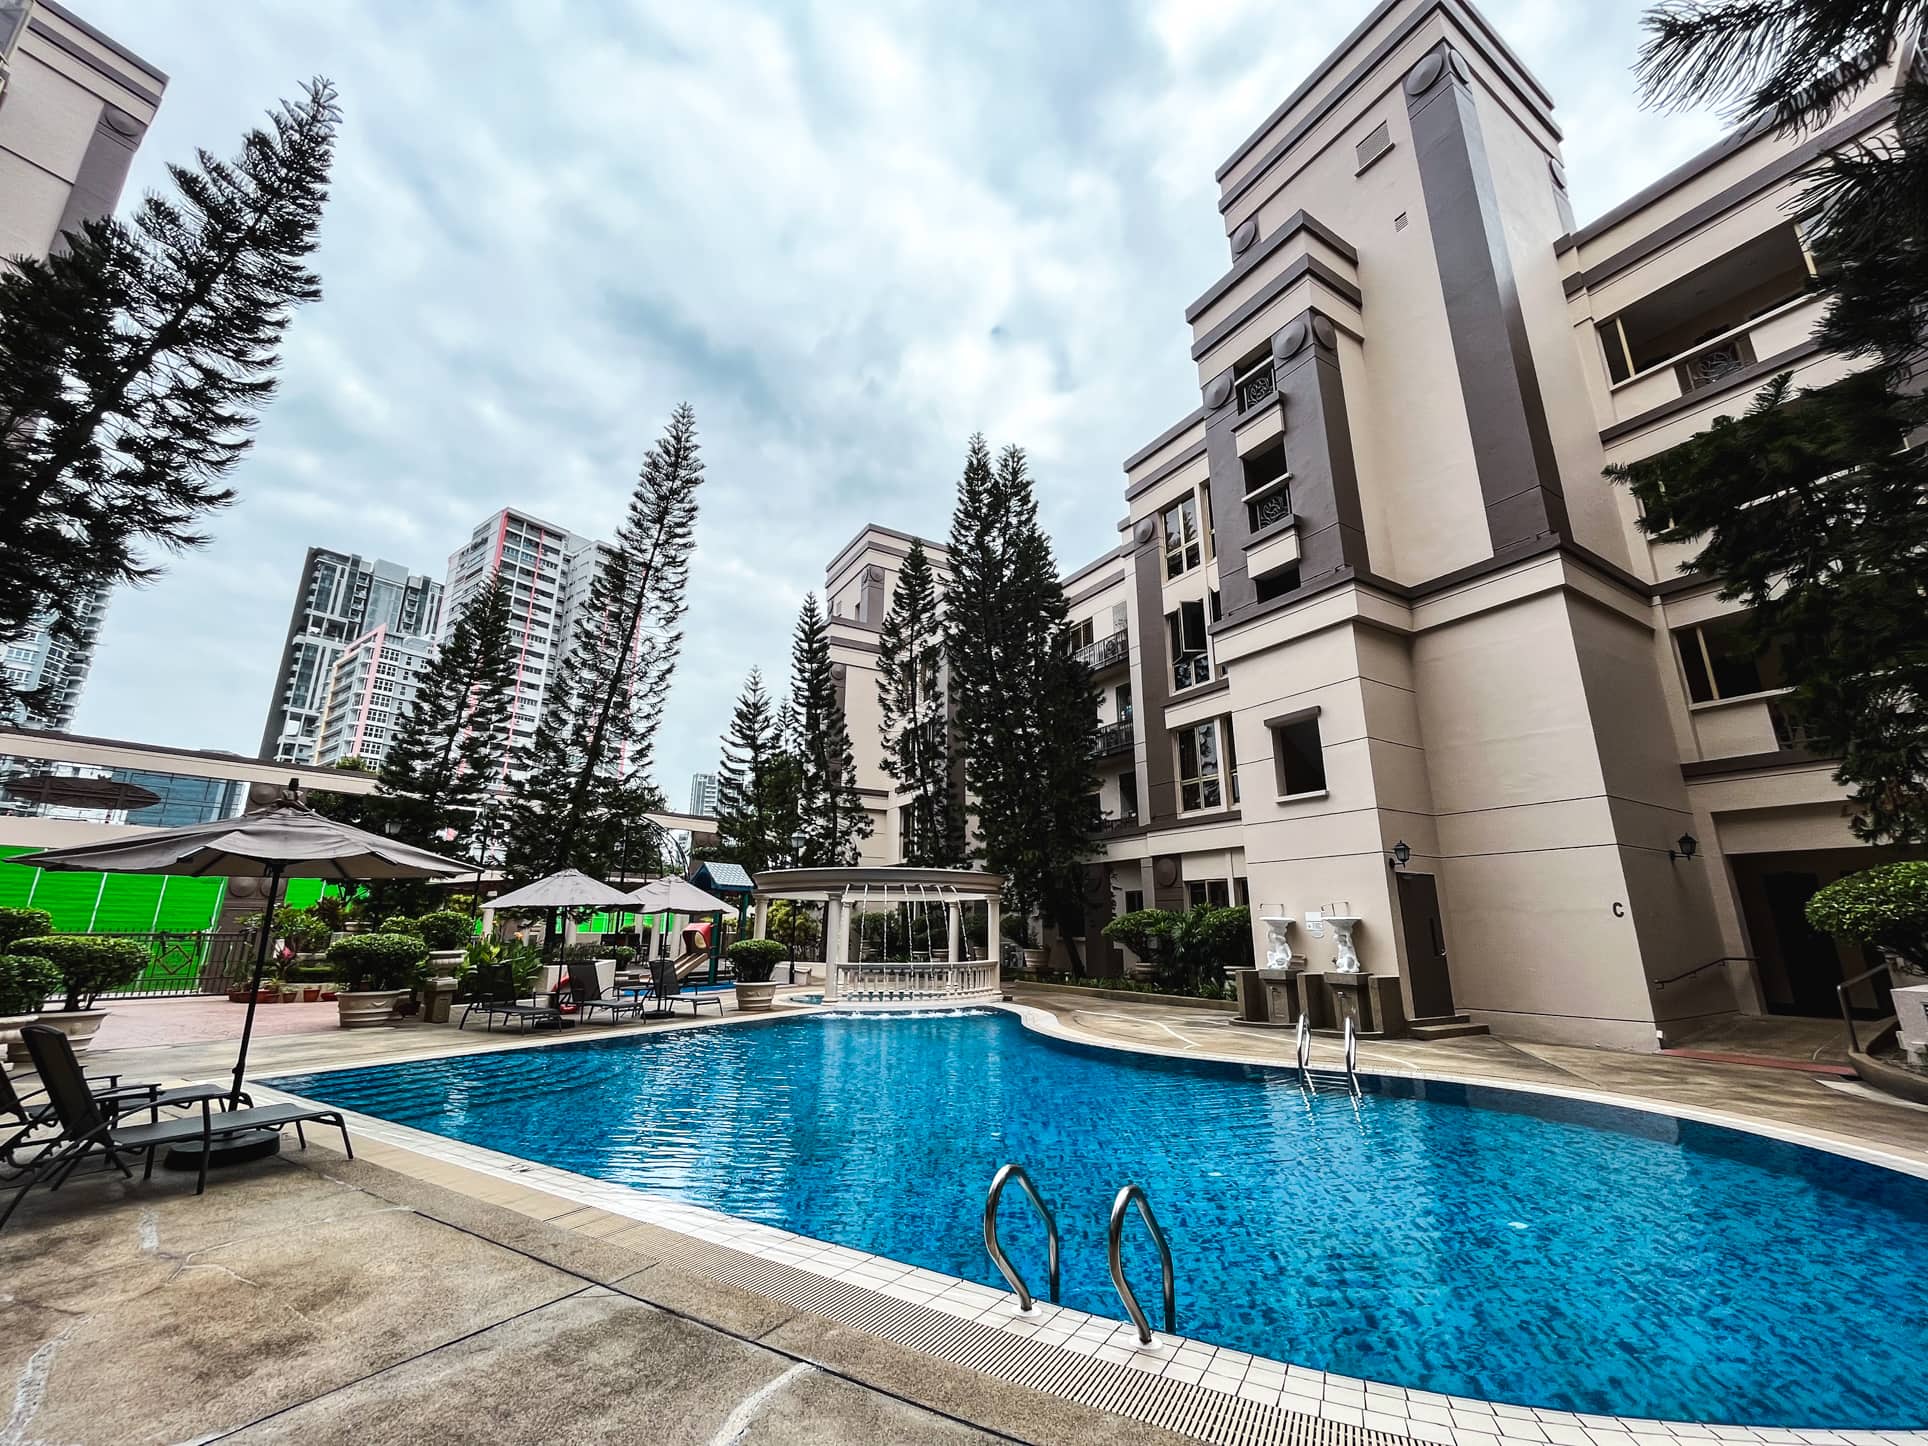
703, 795
340, 598
74, 105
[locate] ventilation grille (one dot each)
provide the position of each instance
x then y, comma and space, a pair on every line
1377, 142
1188, 1409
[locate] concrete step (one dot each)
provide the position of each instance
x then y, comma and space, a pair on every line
1455, 1026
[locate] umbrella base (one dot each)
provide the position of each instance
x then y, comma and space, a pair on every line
231, 1150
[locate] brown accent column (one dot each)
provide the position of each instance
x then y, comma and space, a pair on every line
1101, 955
1318, 449
1519, 476
1152, 684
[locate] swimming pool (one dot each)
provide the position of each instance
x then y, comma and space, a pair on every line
1477, 1242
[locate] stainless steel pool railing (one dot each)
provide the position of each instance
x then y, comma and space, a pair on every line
1311, 1077
1114, 1250
998, 1258
1305, 1051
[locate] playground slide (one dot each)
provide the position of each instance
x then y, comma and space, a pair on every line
695, 959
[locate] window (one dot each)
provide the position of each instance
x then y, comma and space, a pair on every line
1191, 662
1231, 756
1268, 495
1121, 703
1128, 796
1134, 900
1277, 583
1241, 892
1180, 522
1079, 635
1299, 755
1722, 660
1207, 891
1198, 776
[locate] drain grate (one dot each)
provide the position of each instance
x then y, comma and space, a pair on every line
1185, 1408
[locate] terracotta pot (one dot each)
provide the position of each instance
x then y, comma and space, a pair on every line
79, 1025
310, 993
756, 998
368, 1008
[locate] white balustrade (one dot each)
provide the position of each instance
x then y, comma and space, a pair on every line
888, 983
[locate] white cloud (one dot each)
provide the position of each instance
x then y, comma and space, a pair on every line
849, 237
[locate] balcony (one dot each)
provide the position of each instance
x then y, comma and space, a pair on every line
1106, 653
1255, 386
1112, 739
1118, 823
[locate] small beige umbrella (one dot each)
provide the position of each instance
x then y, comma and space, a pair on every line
569, 889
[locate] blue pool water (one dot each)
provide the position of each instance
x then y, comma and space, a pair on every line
1472, 1241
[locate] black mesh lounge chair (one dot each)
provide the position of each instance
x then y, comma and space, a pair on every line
590, 995
668, 980
29, 1114
87, 1128
497, 998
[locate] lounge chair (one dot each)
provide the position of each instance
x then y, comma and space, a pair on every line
498, 998
32, 1112
586, 986
86, 1127
668, 979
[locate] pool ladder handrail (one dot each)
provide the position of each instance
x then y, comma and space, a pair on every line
1114, 1251
1004, 1176
1309, 1077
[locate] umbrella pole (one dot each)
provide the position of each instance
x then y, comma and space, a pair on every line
254, 990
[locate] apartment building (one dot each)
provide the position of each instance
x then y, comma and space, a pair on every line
1380, 640
548, 571
74, 107
339, 598
370, 688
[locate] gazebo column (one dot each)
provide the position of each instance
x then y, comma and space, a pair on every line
953, 932
762, 917
834, 945
993, 938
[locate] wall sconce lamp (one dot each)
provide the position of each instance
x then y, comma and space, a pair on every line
1402, 855
1685, 847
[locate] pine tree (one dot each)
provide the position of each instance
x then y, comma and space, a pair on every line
1026, 709
755, 794
587, 770
831, 818
447, 755
134, 365
915, 730
1812, 507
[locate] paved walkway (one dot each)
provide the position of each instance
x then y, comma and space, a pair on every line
143, 1023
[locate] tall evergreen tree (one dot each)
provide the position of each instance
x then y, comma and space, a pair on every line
587, 781
755, 793
1812, 507
831, 820
1026, 708
135, 363
447, 754
915, 728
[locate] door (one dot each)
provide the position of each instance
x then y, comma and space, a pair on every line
1812, 963
1425, 931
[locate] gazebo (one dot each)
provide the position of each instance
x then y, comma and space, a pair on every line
937, 963
732, 884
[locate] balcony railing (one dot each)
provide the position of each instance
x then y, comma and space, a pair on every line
1106, 652
1111, 738
1119, 823
1255, 386
1715, 364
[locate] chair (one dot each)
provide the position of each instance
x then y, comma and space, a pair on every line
31, 1111
86, 1127
498, 998
668, 979
586, 986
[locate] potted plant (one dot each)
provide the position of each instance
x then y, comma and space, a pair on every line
753, 961
447, 933
373, 970
89, 966
25, 982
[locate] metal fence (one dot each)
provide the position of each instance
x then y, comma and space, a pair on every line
208, 962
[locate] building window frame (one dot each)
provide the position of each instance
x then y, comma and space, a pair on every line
1182, 536
1298, 754
1708, 674
1204, 774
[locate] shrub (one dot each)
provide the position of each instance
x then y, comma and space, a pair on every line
1146, 932
302, 930
446, 929
89, 965
755, 960
623, 955
1885, 906
25, 982
309, 971
368, 962
23, 924
583, 953
401, 924
332, 910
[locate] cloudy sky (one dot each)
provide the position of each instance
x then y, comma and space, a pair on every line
848, 235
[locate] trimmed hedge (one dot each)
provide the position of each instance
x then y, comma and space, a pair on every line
25, 982
367, 962
17, 924
89, 965
446, 929
755, 960
1885, 906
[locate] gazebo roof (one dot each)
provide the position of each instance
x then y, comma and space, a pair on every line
722, 878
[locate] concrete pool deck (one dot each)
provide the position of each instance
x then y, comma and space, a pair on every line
363, 1295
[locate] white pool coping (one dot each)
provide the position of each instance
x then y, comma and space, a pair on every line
1370, 1405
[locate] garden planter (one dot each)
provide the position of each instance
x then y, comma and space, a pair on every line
367, 1008
310, 993
261, 996
79, 1025
755, 998
10, 1035
1034, 959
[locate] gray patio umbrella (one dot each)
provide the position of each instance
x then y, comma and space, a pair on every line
570, 889
286, 842
671, 895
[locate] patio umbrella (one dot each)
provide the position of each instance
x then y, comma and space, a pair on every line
671, 895
570, 889
286, 842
